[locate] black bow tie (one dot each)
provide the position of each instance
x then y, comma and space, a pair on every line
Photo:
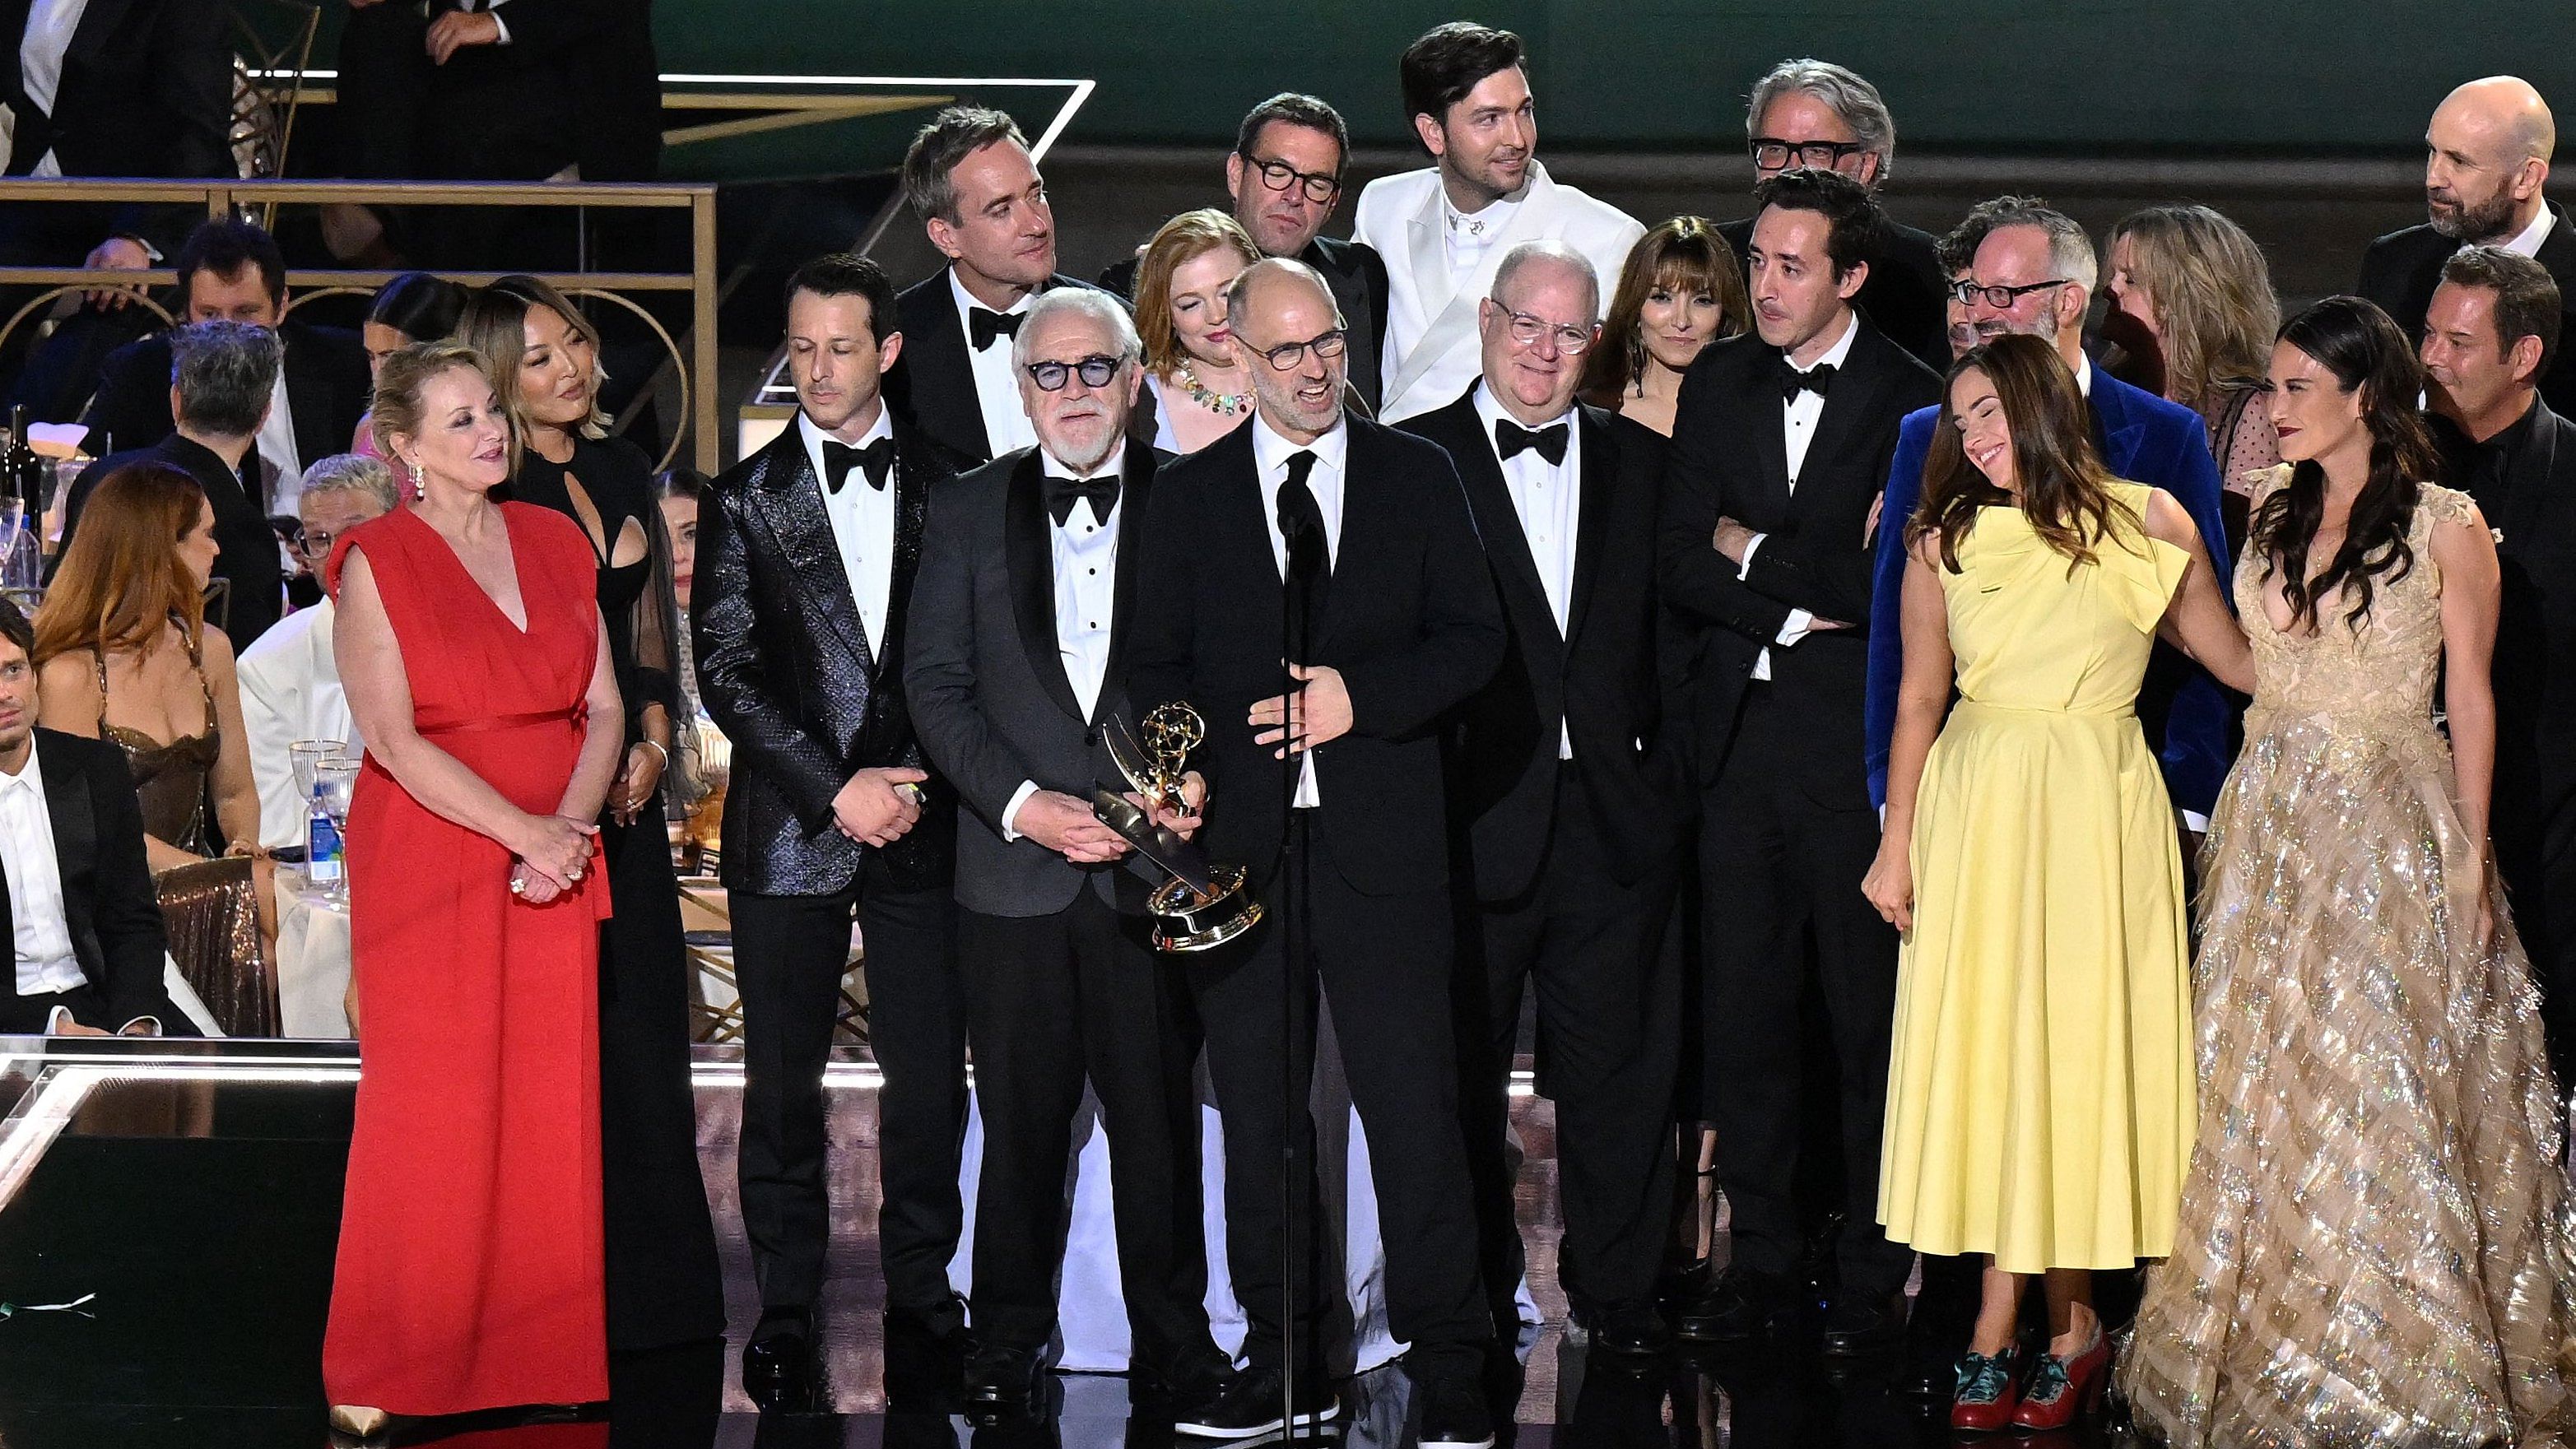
1817, 379
983, 326
1062, 493
839, 457
1510, 438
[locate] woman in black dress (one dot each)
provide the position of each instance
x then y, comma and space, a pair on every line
663, 1283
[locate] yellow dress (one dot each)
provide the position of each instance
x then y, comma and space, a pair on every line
2040, 1095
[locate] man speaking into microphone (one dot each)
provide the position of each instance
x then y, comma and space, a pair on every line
1404, 624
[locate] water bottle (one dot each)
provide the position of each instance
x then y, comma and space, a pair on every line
324, 859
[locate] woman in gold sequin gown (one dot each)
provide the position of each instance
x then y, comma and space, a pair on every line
2374, 1241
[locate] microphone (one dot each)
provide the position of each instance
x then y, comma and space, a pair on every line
1305, 541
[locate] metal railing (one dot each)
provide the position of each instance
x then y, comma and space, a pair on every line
694, 356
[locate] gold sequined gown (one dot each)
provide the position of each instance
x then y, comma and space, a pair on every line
2374, 1238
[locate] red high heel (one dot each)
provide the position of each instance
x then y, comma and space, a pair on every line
1988, 1391
2064, 1388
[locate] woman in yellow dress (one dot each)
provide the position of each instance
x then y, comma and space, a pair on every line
2040, 1103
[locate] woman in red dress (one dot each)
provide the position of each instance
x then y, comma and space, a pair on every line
469, 1273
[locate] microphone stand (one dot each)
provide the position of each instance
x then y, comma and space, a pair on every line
1304, 551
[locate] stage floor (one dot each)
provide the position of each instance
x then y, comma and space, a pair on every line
197, 1198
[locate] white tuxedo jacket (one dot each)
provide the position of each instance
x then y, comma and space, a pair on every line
1431, 350
290, 690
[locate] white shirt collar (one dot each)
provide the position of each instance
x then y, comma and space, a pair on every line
814, 436
1270, 451
2528, 243
966, 299
2084, 374
1109, 467
1490, 408
1837, 354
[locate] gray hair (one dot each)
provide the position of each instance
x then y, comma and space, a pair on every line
1089, 302
1547, 250
1239, 291
1840, 87
956, 133
2070, 251
353, 473
224, 372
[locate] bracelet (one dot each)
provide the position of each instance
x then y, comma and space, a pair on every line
657, 749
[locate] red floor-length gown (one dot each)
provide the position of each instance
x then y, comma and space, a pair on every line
469, 1271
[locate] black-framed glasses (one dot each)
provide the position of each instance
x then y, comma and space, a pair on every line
1527, 330
1095, 371
1774, 154
1279, 176
2000, 298
1287, 355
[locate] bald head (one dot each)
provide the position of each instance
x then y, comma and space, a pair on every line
2487, 154
1281, 312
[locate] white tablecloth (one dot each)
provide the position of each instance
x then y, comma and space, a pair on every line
312, 958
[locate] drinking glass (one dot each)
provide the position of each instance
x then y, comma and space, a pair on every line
335, 780
305, 754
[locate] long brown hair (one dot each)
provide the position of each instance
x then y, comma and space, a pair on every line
1184, 238
121, 579
2065, 489
1684, 255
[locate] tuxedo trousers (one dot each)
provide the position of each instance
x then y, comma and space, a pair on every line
1780, 875
1382, 962
1609, 1040
1052, 1000
789, 956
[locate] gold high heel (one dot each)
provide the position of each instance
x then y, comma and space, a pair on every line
359, 1422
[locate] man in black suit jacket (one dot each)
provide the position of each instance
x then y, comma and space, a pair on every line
2487, 158
1285, 178
222, 376
1781, 446
969, 179
73, 836
1567, 785
806, 555
232, 271
1404, 627
1815, 113
2491, 332
1019, 618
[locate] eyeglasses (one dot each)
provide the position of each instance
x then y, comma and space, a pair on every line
1279, 176
1773, 154
1095, 371
1527, 330
2000, 298
316, 544
1287, 355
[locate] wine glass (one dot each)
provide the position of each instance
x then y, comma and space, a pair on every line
335, 780
305, 754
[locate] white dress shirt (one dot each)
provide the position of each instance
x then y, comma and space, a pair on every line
1798, 417
997, 384
41, 48
1468, 237
43, 933
281, 471
2527, 243
1084, 549
1270, 454
862, 524
290, 690
1548, 497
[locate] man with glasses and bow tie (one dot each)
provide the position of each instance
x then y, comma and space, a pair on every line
806, 556
1567, 785
1780, 445
970, 180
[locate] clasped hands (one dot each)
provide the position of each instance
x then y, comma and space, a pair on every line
553, 854
1070, 827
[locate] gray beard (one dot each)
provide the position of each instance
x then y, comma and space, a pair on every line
2484, 226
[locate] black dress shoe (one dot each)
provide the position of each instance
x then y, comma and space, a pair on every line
999, 1376
1861, 1327
778, 1365
1742, 1306
1248, 1406
1633, 1330
1454, 1415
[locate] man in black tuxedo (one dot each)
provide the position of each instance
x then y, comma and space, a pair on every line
1019, 620
233, 271
1567, 785
2487, 158
1339, 806
806, 555
219, 377
969, 179
80, 903
1814, 113
1285, 178
1781, 445
2490, 334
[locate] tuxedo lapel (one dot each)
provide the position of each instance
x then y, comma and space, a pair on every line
1855, 396
75, 823
944, 393
912, 483
1028, 558
794, 508
2528, 489
1426, 255
1135, 488
1452, 311
1592, 520
1489, 497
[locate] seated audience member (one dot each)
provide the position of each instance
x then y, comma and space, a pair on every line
1682, 289
1197, 391
290, 685
1285, 177
232, 271
123, 653
2200, 288
678, 490
224, 376
80, 905
414, 307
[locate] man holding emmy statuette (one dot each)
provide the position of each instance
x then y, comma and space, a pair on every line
1015, 679
1330, 794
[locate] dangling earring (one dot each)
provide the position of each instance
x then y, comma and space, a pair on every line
419, 485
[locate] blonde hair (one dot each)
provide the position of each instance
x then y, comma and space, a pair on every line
2215, 310
1186, 237
495, 324
406, 371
